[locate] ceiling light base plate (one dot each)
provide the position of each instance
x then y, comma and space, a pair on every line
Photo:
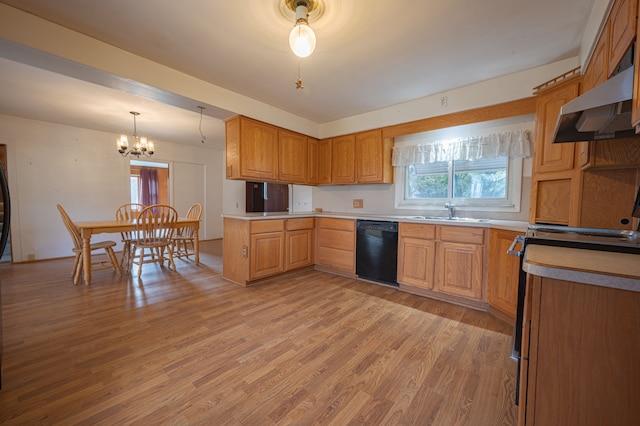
309, 4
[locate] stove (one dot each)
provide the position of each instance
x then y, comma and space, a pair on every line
623, 241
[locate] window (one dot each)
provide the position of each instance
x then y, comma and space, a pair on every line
478, 166
486, 178
135, 186
486, 184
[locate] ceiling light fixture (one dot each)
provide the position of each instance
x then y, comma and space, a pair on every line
141, 146
302, 39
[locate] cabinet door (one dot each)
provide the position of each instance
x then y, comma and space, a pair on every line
459, 269
293, 156
598, 68
324, 161
503, 272
549, 157
312, 161
551, 201
416, 262
622, 30
343, 159
299, 249
267, 254
369, 158
258, 150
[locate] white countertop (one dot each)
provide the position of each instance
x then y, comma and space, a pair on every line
509, 225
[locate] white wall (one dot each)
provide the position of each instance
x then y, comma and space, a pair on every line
50, 164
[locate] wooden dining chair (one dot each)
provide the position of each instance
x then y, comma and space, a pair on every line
186, 234
107, 246
154, 231
128, 213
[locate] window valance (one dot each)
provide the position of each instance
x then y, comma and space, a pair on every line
508, 144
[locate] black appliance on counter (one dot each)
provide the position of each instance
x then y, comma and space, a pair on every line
611, 240
377, 251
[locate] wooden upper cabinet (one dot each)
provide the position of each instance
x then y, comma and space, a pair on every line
551, 201
373, 158
343, 159
293, 157
252, 149
622, 31
312, 161
550, 157
324, 161
598, 69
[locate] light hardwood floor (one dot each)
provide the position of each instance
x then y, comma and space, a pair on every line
188, 347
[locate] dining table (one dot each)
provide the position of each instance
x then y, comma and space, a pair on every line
89, 228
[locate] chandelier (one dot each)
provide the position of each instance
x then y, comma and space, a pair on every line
141, 146
302, 39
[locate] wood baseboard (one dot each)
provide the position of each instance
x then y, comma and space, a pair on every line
457, 300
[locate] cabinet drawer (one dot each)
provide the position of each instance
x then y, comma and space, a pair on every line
416, 230
461, 234
337, 239
301, 223
262, 226
335, 258
339, 224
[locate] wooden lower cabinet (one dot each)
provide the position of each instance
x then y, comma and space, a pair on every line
257, 249
580, 355
444, 261
459, 269
336, 245
299, 244
460, 261
416, 254
267, 254
503, 273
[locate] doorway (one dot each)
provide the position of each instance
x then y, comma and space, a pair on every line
149, 182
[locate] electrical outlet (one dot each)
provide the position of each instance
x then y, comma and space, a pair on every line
444, 101
31, 257
358, 203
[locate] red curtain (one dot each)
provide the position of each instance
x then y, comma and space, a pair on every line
148, 186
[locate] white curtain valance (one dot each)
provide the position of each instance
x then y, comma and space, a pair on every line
509, 144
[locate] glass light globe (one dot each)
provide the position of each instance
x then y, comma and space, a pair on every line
302, 40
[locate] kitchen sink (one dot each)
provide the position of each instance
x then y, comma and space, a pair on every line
452, 219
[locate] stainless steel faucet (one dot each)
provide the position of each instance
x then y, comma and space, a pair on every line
450, 207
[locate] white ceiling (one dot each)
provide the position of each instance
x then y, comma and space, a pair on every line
370, 54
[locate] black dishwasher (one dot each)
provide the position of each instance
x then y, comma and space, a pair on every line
377, 251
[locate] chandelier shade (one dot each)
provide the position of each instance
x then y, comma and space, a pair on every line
141, 145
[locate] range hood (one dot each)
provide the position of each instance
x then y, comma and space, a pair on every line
604, 112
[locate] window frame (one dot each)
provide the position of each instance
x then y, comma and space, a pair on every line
510, 204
